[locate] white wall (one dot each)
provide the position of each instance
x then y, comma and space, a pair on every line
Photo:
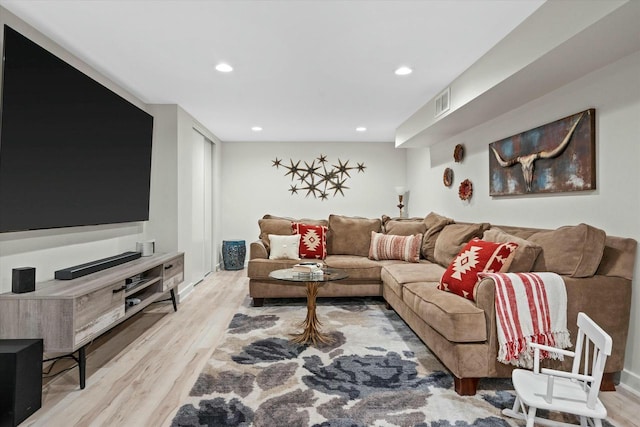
614, 91
163, 201
252, 187
187, 230
54, 249
170, 218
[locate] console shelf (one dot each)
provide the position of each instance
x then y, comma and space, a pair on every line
69, 314
140, 285
145, 280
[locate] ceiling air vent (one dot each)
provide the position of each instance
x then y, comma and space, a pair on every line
442, 101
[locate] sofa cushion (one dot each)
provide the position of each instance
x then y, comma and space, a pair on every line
281, 225
273, 226
618, 258
405, 248
313, 240
575, 251
452, 239
403, 226
284, 247
477, 256
358, 267
303, 220
351, 235
455, 318
397, 275
434, 224
525, 255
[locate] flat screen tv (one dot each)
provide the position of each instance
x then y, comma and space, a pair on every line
72, 152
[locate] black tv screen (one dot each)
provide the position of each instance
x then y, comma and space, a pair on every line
72, 152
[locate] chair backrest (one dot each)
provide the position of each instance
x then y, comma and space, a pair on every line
592, 361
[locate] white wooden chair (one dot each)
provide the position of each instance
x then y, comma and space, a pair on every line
574, 392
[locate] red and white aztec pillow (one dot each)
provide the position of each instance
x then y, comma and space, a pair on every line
313, 240
477, 256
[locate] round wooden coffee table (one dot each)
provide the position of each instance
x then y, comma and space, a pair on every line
311, 325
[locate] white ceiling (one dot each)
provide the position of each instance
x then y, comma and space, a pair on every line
303, 70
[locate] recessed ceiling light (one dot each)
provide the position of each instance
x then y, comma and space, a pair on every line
361, 129
403, 71
224, 68
256, 128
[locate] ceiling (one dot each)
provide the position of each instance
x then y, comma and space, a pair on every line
304, 71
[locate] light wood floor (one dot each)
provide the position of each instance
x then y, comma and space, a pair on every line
138, 373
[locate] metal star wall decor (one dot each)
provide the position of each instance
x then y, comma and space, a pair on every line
315, 179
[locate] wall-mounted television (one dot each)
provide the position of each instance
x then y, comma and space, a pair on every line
72, 152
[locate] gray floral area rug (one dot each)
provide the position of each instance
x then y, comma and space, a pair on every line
377, 372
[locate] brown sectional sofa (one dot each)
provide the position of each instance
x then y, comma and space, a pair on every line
597, 270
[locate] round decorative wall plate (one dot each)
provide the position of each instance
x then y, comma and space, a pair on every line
447, 178
458, 153
465, 191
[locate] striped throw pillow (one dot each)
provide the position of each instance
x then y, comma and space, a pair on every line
385, 246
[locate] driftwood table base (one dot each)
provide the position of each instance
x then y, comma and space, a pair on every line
311, 333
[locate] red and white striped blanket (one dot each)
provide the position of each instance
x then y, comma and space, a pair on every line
530, 307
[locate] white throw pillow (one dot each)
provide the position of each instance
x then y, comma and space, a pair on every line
284, 247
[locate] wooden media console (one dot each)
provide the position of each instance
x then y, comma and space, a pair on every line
69, 314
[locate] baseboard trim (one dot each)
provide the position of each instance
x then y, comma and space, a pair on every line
184, 293
630, 382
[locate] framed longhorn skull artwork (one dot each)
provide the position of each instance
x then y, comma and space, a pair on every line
552, 158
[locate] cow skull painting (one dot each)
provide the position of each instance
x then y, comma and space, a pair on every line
558, 156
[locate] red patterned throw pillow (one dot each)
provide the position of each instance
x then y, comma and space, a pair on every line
477, 256
313, 240
388, 246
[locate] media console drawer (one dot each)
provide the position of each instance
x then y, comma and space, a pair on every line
97, 311
173, 273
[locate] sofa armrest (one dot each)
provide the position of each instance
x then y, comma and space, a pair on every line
257, 250
598, 296
485, 300
607, 301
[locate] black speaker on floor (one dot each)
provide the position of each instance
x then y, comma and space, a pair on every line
23, 280
20, 379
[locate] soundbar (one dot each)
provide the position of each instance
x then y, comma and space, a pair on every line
93, 266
